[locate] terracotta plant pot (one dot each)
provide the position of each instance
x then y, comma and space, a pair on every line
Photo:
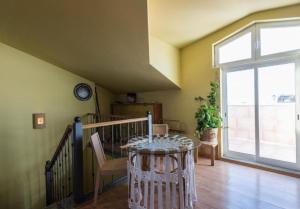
210, 135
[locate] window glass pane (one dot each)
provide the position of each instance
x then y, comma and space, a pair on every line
241, 116
235, 50
277, 110
279, 39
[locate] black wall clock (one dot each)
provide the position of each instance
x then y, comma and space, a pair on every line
83, 91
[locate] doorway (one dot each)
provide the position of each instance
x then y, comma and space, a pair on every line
261, 113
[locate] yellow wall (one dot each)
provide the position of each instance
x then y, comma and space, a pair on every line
197, 71
165, 58
29, 85
105, 98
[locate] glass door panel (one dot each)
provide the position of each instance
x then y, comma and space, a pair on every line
277, 112
241, 111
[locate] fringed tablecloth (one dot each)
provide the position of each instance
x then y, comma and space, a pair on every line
161, 174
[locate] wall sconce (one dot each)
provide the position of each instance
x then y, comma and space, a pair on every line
38, 120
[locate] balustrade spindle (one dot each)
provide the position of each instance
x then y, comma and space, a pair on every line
69, 168
56, 181
142, 128
49, 188
49, 201
61, 176
128, 132
58, 177
112, 141
103, 135
52, 185
93, 130
121, 139
93, 171
63, 173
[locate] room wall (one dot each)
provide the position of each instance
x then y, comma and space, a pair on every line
165, 58
105, 98
29, 85
197, 71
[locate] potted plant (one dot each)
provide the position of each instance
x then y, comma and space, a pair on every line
208, 115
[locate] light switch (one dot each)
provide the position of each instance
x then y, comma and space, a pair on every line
38, 120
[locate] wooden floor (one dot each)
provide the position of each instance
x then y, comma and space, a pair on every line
227, 186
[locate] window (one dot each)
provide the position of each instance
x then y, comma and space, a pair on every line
279, 39
258, 42
227, 52
261, 94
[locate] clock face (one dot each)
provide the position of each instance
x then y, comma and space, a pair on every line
83, 92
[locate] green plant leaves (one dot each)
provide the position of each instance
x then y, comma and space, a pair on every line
207, 115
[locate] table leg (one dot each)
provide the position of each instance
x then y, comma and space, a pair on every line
196, 155
212, 157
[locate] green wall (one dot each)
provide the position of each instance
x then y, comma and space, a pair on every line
29, 85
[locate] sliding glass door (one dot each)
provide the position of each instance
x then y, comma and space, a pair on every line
277, 112
240, 115
261, 120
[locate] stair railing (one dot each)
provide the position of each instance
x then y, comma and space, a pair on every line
59, 172
68, 175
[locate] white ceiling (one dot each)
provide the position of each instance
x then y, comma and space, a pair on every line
180, 22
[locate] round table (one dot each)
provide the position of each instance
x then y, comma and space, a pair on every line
161, 174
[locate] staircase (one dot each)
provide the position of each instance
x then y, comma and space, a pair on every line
70, 174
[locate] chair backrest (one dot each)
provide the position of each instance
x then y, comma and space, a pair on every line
99, 152
160, 129
174, 125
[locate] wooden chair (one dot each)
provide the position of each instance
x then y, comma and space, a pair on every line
175, 126
160, 129
106, 167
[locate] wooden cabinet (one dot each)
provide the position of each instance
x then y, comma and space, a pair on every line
139, 110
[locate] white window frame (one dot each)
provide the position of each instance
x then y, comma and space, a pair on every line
216, 50
281, 24
255, 44
256, 158
255, 62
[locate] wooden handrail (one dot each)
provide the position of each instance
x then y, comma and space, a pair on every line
106, 115
115, 122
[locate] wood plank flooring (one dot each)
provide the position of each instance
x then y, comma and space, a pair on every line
226, 186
